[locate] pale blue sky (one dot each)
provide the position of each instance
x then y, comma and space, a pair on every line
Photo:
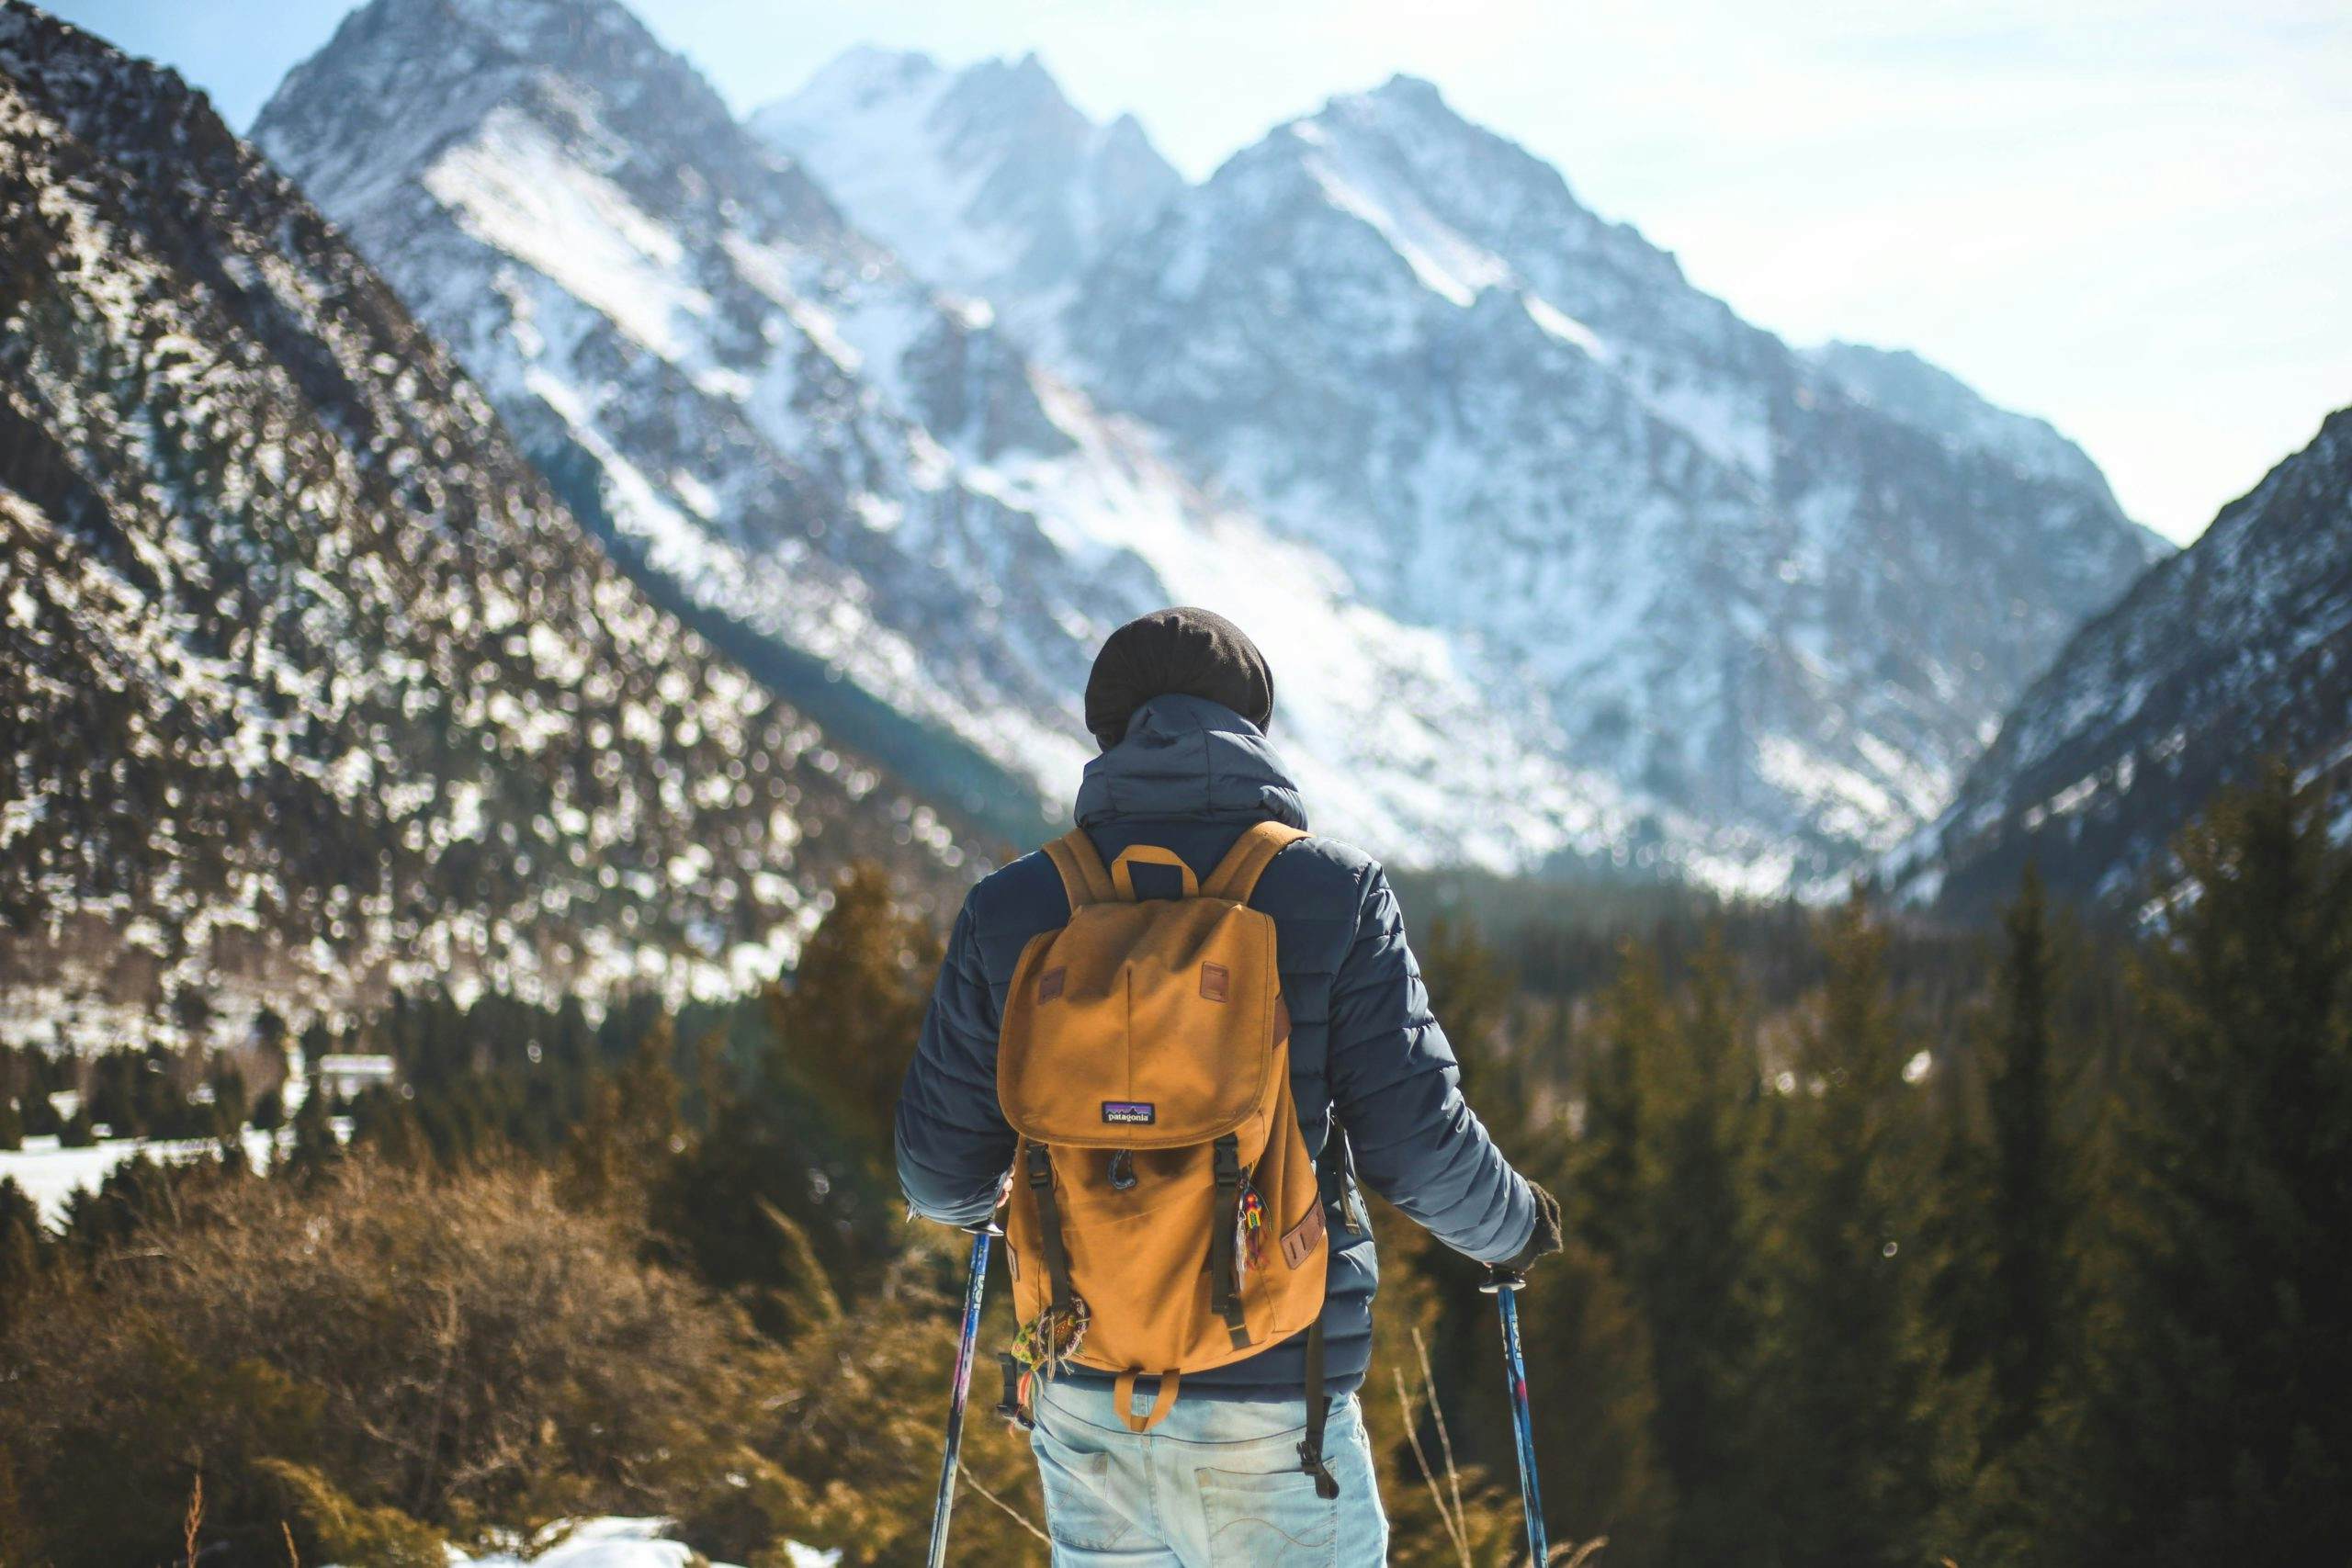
2133, 217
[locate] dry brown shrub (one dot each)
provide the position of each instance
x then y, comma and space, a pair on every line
857, 1422
463, 1352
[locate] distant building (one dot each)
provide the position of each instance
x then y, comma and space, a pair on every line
341, 1076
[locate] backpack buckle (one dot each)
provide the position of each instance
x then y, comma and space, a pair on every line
1012, 1406
1310, 1460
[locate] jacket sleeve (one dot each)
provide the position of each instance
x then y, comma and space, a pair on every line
1398, 1091
954, 1144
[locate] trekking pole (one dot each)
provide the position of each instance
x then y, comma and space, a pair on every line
976, 1283
1504, 1285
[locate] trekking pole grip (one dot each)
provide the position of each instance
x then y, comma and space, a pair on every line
1499, 1278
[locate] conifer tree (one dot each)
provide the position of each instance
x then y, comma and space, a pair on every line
2029, 1196
230, 1101
846, 1025
38, 1114
12, 1126
2217, 1429
315, 1148
1847, 1441
1692, 1265
632, 1130
1469, 994
1587, 1352
738, 1210
804, 1138
2009, 1239
1606, 1181
21, 1245
317, 1042
2008, 1199
384, 1123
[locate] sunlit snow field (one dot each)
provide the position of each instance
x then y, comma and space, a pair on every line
621, 1543
50, 1175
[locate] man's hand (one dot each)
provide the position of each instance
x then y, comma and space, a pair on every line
1545, 1240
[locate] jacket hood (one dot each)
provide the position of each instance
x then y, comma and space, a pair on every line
1186, 759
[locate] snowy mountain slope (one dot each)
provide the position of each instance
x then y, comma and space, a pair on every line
1743, 594
311, 687
2237, 650
813, 453
1903, 385
986, 181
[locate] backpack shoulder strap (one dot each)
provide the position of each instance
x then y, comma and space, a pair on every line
1083, 877
1236, 877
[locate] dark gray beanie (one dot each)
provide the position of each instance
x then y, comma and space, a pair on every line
1196, 652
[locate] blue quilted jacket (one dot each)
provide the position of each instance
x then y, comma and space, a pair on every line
1190, 776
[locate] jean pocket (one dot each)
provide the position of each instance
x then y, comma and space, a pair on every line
1267, 1520
1079, 1510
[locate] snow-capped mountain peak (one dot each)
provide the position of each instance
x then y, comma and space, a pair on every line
1745, 595
864, 486
1585, 561
987, 180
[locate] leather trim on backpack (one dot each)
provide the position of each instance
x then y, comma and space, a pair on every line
1299, 1241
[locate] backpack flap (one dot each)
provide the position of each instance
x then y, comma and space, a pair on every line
1145, 1025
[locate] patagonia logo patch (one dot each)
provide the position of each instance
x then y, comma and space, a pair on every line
1130, 1113
1217, 981
1049, 984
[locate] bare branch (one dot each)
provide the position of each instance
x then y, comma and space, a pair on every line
1413, 1437
1014, 1514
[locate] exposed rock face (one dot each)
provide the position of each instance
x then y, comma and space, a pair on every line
2236, 651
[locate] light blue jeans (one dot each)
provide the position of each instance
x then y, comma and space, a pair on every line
1214, 1485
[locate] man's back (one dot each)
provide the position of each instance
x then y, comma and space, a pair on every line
1190, 776
1241, 1467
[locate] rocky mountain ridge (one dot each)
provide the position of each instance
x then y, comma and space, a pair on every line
314, 688
986, 181
1731, 585
809, 449
1778, 600
2234, 654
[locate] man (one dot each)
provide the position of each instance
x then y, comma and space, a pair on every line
1180, 702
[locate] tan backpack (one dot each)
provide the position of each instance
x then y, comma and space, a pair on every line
1165, 1216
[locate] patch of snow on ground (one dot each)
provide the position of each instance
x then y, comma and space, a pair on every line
51, 1175
617, 1542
